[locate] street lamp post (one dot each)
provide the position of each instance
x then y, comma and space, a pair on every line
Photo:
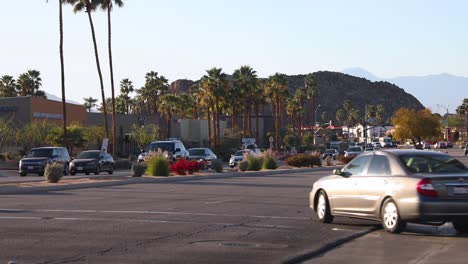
315, 115
446, 118
315, 119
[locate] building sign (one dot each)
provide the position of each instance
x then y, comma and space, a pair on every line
8, 108
47, 115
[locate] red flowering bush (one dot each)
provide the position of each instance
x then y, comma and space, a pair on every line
182, 166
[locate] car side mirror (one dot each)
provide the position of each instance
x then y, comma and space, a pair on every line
337, 172
177, 150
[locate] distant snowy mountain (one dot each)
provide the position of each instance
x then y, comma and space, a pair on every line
437, 91
59, 99
362, 73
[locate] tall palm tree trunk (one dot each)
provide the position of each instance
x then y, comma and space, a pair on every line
168, 124
214, 123
62, 76
244, 120
98, 65
277, 124
209, 124
312, 113
250, 120
257, 122
114, 146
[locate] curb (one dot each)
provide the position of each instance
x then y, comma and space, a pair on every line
149, 179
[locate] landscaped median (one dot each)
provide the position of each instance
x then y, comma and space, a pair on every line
105, 181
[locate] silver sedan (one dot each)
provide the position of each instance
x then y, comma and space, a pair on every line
396, 187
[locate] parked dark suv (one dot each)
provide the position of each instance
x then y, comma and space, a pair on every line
38, 158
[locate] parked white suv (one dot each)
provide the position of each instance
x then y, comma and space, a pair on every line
172, 148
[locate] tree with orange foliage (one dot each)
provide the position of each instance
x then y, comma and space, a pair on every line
416, 125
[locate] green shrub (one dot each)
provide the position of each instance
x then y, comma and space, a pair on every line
217, 165
243, 165
253, 163
138, 169
269, 162
157, 166
304, 160
53, 172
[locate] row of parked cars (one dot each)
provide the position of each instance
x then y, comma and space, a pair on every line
97, 161
90, 161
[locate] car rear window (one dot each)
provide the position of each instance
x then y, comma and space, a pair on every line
164, 146
88, 155
196, 152
432, 164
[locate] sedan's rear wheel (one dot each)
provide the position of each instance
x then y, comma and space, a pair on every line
461, 225
323, 208
391, 220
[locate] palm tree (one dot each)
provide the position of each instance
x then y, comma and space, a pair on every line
108, 5
62, 76
205, 102
29, 83
245, 81
167, 105
89, 6
340, 116
154, 87
89, 103
259, 100
126, 87
277, 90
380, 113
217, 86
312, 93
301, 97
292, 109
348, 107
7, 86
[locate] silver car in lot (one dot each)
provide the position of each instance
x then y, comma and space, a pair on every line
396, 187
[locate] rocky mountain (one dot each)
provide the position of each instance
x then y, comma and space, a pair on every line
335, 88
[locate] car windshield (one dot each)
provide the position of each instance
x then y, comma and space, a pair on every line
164, 146
196, 152
432, 164
355, 149
88, 155
239, 153
35, 153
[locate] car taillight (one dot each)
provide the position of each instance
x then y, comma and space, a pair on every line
426, 188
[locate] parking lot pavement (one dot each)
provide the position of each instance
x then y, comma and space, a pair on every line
419, 244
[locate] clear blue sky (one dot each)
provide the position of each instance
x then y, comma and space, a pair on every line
182, 38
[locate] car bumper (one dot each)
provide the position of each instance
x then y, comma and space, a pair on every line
428, 210
31, 168
82, 168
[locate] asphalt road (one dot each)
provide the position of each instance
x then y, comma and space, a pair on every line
263, 219
233, 220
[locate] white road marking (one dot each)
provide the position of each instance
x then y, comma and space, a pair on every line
139, 221
5, 210
222, 201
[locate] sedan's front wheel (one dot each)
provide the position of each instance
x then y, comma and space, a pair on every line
390, 216
323, 208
